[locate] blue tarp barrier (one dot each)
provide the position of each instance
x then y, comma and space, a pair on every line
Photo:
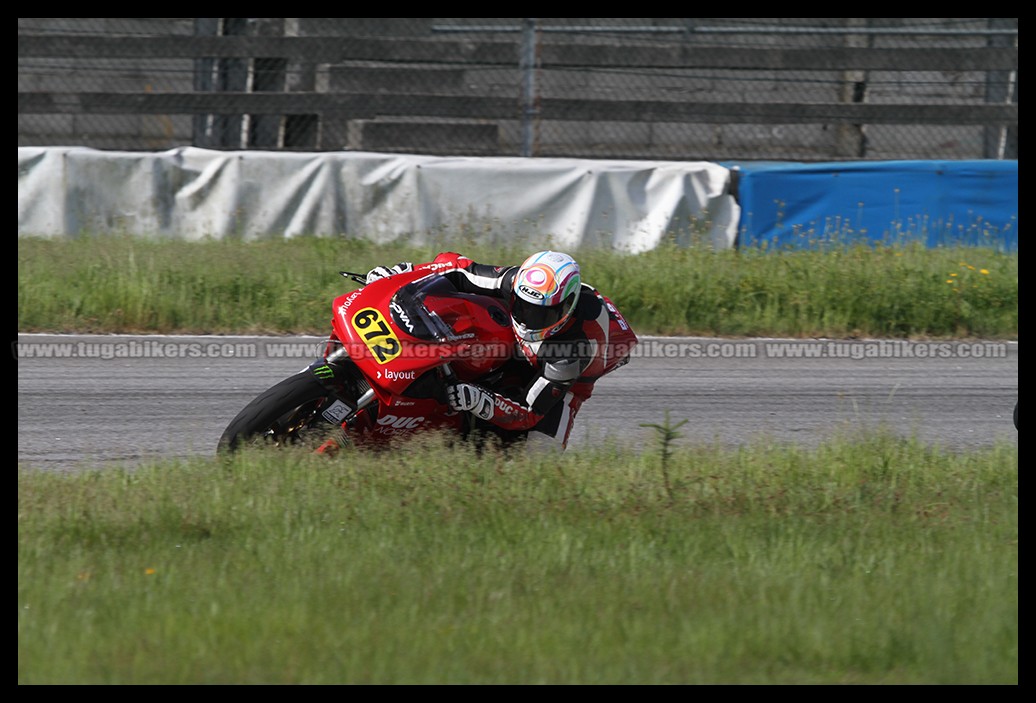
939, 203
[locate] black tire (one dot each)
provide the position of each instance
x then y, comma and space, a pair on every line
1016, 415
286, 413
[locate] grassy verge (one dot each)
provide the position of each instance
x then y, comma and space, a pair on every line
126, 284
870, 560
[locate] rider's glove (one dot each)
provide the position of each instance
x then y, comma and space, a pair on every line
466, 397
385, 271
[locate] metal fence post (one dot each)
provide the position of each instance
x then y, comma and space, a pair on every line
530, 96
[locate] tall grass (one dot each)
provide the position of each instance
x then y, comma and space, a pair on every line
128, 284
872, 560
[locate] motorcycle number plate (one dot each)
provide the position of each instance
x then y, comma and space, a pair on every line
375, 332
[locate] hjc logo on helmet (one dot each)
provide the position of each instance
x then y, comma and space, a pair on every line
531, 292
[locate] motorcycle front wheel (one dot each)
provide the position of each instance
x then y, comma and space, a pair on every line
287, 413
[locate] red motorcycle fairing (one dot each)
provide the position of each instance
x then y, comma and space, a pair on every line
404, 416
400, 330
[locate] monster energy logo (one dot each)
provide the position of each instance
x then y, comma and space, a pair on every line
324, 371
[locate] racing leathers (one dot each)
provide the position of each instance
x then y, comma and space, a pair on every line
558, 373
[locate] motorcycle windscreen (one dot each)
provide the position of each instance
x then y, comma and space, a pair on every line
410, 309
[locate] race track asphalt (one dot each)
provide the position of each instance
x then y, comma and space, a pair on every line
100, 400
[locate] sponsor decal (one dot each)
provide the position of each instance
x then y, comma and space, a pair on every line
335, 412
505, 405
401, 422
347, 302
323, 372
403, 317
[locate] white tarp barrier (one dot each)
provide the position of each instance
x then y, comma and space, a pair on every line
191, 193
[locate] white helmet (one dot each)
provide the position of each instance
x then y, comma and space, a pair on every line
544, 295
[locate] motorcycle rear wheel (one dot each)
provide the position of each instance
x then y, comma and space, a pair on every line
287, 413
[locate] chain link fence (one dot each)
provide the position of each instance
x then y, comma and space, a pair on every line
716, 89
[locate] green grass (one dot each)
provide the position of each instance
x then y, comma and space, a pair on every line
866, 560
132, 285
863, 561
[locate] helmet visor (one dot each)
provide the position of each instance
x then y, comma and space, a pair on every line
537, 317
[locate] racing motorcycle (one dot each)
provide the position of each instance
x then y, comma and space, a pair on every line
395, 345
